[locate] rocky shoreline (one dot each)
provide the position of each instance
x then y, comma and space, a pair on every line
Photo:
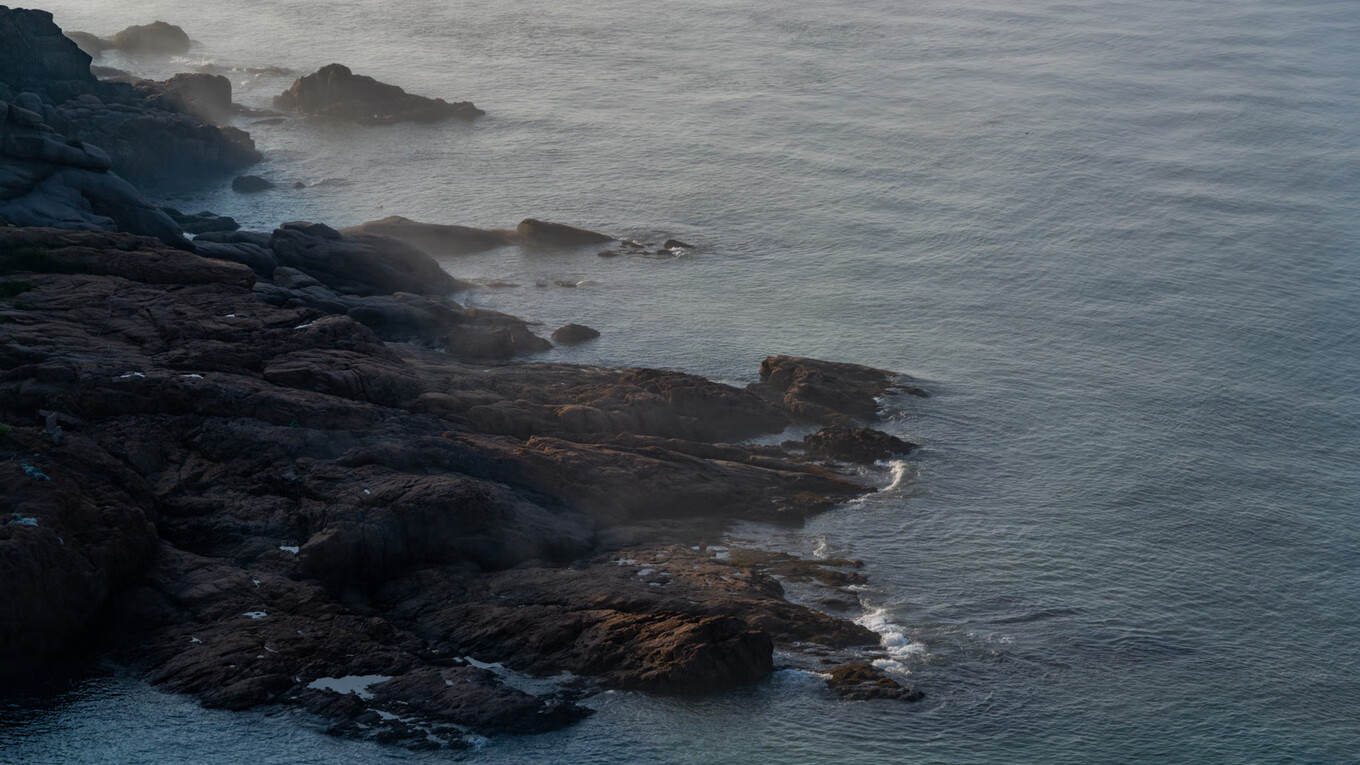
289, 468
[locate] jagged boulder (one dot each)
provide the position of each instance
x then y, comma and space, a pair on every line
335, 92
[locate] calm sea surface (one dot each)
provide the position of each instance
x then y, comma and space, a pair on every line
1119, 240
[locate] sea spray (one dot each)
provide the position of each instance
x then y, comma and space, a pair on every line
893, 638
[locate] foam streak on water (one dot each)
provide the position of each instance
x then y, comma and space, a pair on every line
1118, 237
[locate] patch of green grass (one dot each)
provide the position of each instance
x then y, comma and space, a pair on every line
11, 289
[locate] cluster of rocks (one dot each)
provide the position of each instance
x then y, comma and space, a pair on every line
151, 133
256, 493
288, 468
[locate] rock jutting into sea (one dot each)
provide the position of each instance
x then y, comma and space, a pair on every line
288, 467
335, 92
147, 130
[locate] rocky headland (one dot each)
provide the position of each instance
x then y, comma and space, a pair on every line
290, 468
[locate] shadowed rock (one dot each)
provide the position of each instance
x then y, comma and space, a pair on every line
571, 334
337, 93
250, 184
434, 238
360, 264
47, 180
91, 44
203, 96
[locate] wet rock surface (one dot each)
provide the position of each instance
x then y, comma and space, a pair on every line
850, 444
335, 92
288, 468
861, 682
262, 500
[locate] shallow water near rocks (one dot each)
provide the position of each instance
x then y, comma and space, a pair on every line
1117, 240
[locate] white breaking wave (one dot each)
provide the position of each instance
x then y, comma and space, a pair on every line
903, 472
893, 638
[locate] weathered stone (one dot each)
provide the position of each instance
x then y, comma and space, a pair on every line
335, 92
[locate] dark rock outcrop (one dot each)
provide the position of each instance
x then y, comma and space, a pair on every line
44, 71
265, 498
865, 445
571, 334
360, 264
434, 238
335, 92
157, 38
91, 44
48, 180
827, 392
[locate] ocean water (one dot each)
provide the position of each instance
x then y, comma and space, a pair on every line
1118, 240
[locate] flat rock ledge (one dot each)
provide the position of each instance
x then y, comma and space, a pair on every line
224, 474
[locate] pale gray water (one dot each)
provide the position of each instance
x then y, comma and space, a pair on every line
1118, 240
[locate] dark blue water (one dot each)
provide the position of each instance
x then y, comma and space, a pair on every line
1118, 240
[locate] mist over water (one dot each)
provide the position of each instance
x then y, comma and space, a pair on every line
1118, 241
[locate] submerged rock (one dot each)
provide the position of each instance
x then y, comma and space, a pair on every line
157, 38
861, 681
571, 334
250, 184
335, 92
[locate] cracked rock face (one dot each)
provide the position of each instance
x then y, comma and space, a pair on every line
250, 488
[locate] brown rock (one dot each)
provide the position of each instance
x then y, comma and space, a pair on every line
865, 445
823, 391
860, 682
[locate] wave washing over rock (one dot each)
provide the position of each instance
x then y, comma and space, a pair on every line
287, 467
